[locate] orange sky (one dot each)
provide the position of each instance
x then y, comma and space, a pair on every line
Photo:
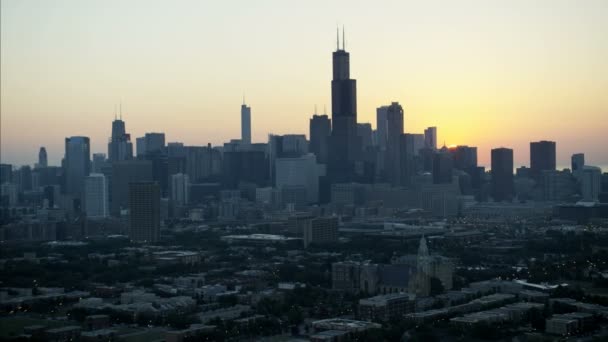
487, 73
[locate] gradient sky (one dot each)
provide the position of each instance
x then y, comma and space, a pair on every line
487, 73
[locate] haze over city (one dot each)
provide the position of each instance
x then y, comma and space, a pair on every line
487, 74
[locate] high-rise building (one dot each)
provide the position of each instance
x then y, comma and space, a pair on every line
430, 138
502, 174
442, 166
77, 164
320, 130
320, 230
381, 127
119, 146
300, 171
42, 158
464, 157
123, 173
96, 196
144, 212
245, 124
392, 161
154, 143
364, 132
345, 146
6, 173
140, 146
591, 183
99, 161
578, 161
542, 157
180, 189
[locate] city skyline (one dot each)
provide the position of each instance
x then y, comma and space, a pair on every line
508, 107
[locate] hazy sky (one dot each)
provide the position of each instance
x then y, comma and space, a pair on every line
487, 73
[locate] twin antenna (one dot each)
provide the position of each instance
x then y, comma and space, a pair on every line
338, 39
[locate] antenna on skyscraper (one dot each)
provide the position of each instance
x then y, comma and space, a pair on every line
337, 38
120, 110
343, 39
243, 98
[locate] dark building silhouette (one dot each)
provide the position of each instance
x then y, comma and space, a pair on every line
320, 131
542, 158
578, 161
154, 143
120, 146
392, 159
244, 166
430, 138
245, 124
6, 173
502, 174
42, 158
77, 164
464, 157
364, 132
123, 173
442, 166
345, 144
144, 212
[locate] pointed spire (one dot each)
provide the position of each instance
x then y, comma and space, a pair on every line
337, 38
343, 39
120, 110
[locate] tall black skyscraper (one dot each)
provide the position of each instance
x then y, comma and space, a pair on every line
320, 131
345, 146
120, 146
542, 157
42, 158
502, 174
77, 164
392, 160
144, 211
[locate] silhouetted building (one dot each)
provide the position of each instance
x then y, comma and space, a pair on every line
6, 173
345, 146
124, 173
392, 161
502, 174
381, 127
154, 143
201, 163
542, 157
77, 164
120, 146
96, 196
320, 131
578, 161
442, 167
180, 189
42, 158
430, 138
99, 161
464, 157
244, 166
364, 131
144, 212
245, 124
591, 183
301, 171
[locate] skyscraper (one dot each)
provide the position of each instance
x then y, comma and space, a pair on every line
245, 124
120, 146
180, 189
77, 164
502, 174
430, 138
394, 118
364, 132
442, 166
578, 161
42, 158
381, 127
99, 161
591, 183
154, 143
542, 157
144, 212
345, 145
320, 130
124, 173
96, 196
464, 157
